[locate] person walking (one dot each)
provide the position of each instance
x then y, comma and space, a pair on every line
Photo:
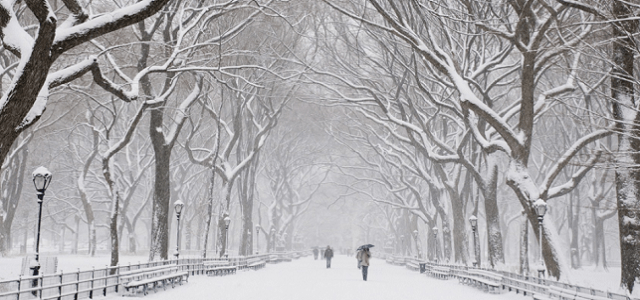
363, 261
328, 254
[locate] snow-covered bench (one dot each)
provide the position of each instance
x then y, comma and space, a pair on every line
412, 265
569, 293
389, 260
439, 272
255, 263
219, 267
486, 280
530, 287
273, 259
152, 277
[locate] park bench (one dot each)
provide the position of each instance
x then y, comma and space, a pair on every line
255, 263
486, 280
424, 267
439, 272
273, 259
152, 278
219, 268
412, 265
523, 285
567, 293
389, 260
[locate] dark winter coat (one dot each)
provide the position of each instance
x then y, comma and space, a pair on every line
328, 253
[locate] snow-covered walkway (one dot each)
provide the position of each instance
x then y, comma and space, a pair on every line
308, 279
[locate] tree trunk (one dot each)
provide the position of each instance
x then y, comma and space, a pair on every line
133, 247
162, 190
627, 174
460, 239
113, 232
187, 235
11, 190
492, 212
524, 246
246, 247
25, 237
62, 239
598, 244
207, 218
93, 238
76, 236
523, 186
5, 238
573, 215
223, 239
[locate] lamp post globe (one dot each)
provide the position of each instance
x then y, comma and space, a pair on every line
178, 205
474, 222
540, 207
41, 180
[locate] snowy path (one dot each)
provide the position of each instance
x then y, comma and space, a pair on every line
308, 279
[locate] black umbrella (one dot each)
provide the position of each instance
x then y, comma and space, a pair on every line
365, 246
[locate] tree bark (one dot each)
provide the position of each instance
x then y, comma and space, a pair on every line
492, 212
161, 192
524, 245
628, 125
573, 216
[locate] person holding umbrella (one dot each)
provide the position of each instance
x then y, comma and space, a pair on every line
363, 259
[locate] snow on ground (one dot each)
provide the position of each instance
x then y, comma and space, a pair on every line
308, 279
313, 278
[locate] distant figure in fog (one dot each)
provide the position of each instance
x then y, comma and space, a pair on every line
363, 261
328, 254
315, 253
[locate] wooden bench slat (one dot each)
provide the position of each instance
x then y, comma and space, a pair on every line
167, 274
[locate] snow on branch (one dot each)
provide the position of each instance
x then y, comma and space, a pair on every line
566, 158
181, 113
69, 37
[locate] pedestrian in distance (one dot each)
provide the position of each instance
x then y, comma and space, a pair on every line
363, 262
328, 254
315, 253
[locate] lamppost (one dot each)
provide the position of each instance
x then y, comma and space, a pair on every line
435, 237
227, 220
178, 205
257, 239
41, 180
541, 208
476, 255
415, 237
